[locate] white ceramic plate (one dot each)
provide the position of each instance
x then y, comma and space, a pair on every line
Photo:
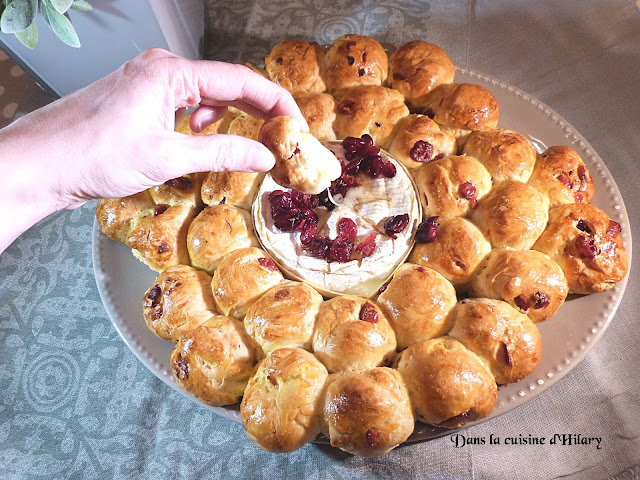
567, 337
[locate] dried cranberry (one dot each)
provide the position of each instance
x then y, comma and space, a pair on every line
350, 60
384, 286
422, 151
180, 183
273, 380
280, 294
506, 356
268, 264
291, 222
346, 107
160, 209
303, 201
373, 437
367, 140
164, 247
181, 367
389, 170
352, 144
340, 250
378, 124
368, 313
347, 229
540, 300
368, 150
353, 167
586, 247
565, 179
157, 313
154, 294
223, 201
361, 72
427, 230
467, 190
582, 226
396, 224
420, 269
368, 245
308, 233
374, 166
521, 302
614, 228
319, 247
323, 200
438, 156
582, 173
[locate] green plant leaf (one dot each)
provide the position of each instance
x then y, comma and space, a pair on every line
81, 5
18, 15
61, 6
60, 24
29, 36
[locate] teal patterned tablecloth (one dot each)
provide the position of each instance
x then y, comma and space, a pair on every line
76, 403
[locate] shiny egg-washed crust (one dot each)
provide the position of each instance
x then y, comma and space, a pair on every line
231, 188
562, 177
215, 361
220, 126
216, 231
512, 215
296, 66
417, 302
413, 129
560, 240
245, 125
441, 186
302, 162
342, 341
369, 109
505, 154
368, 413
505, 339
319, 110
456, 252
185, 189
416, 68
281, 407
241, 278
118, 216
260, 71
448, 384
354, 60
160, 240
285, 316
528, 280
179, 301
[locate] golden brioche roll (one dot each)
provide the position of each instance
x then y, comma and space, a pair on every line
241, 278
368, 413
463, 108
215, 361
417, 302
371, 109
302, 162
506, 155
285, 316
456, 252
528, 280
179, 300
231, 188
216, 231
352, 333
319, 110
418, 140
448, 384
118, 216
220, 126
282, 405
245, 125
418, 67
451, 186
512, 215
160, 238
505, 339
185, 189
562, 177
587, 245
355, 60
295, 65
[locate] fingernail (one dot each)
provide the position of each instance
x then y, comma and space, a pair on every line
262, 162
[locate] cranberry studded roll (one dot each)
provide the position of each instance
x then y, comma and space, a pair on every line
528, 280
416, 68
319, 110
295, 65
505, 339
179, 301
562, 177
507, 155
160, 238
418, 140
417, 302
512, 215
587, 245
118, 216
352, 333
285, 316
368, 413
216, 231
215, 361
282, 405
241, 278
451, 186
302, 162
453, 247
355, 60
448, 384
231, 188
371, 110
185, 189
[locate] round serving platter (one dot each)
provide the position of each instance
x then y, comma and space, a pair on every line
567, 337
